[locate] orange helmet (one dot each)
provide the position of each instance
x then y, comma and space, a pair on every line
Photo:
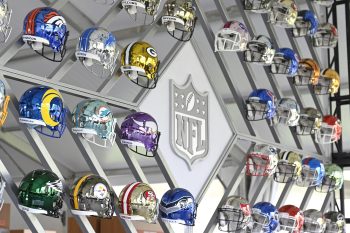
328, 82
308, 73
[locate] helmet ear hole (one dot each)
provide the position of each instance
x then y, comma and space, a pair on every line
37, 46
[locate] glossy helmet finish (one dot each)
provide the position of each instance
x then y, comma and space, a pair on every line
5, 18
91, 195
234, 215
306, 24
328, 83
139, 61
309, 121
258, 6
178, 206
261, 160
93, 119
288, 112
180, 19
138, 202
291, 218
264, 217
326, 3
314, 222
260, 105
41, 192
146, 10
2, 191
288, 167
333, 179
330, 131
285, 61
308, 73
335, 222
97, 51
259, 50
4, 101
42, 108
326, 36
312, 172
283, 13
140, 130
232, 37
45, 30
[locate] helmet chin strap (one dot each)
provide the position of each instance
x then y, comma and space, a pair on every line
171, 26
37, 46
132, 10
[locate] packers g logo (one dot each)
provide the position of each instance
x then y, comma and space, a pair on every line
151, 51
46, 105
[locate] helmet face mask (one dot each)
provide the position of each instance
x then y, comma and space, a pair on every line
285, 172
304, 76
287, 223
256, 111
259, 51
326, 36
261, 161
258, 6
5, 18
306, 24
322, 87
288, 112
301, 28
326, 3
232, 37
260, 222
309, 122
312, 226
283, 13
144, 11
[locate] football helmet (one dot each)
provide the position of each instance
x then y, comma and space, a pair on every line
283, 13
312, 172
291, 218
264, 217
309, 121
45, 31
178, 206
147, 9
326, 3
2, 191
328, 83
41, 192
5, 18
234, 215
180, 19
288, 112
332, 180
42, 108
285, 61
259, 50
233, 36
260, 105
140, 130
258, 6
326, 36
330, 131
4, 101
97, 51
306, 24
93, 119
308, 73
91, 195
314, 222
138, 202
335, 222
140, 63
288, 167
261, 160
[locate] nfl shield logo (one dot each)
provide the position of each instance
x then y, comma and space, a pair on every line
189, 121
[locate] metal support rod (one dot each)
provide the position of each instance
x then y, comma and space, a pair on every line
307, 197
259, 189
327, 201
285, 192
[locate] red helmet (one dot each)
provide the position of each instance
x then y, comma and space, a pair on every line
291, 218
330, 130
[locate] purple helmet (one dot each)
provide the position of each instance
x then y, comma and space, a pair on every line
140, 130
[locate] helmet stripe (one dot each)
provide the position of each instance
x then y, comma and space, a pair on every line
30, 27
45, 106
76, 191
128, 53
85, 39
127, 197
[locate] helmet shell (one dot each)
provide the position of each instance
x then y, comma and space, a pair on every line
288, 167
309, 121
308, 73
312, 172
261, 161
285, 61
333, 179
288, 112
306, 24
328, 83
259, 51
232, 37
265, 217
283, 13
291, 218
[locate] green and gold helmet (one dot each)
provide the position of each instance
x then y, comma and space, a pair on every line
288, 167
138, 202
91, 195
40, 192
140, 63
333, 179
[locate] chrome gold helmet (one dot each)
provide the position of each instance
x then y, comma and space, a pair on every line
308, 73
140, 63
288, 167
328, 82
180, 19
326, 36
144, 10
309, 122
138, 202
284, 13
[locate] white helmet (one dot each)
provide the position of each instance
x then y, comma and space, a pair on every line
262, 160
233, 36
259, 50
5, 17
284, 13
288, 112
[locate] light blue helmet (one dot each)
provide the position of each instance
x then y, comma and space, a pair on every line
93, 119
312, 172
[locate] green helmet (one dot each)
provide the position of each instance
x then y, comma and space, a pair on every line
91, 195
333, 179
40, 192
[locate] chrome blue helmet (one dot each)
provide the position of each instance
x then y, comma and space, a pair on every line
312, 172
306, 24
285, 61
178, 206
42, 108
260, 105
264, 217
45, 30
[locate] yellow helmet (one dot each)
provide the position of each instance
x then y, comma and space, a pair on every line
328, 82
140, 63
288, 167
284, 13
308, 73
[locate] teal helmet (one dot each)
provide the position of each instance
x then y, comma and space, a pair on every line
93, 119
332, 180
41, 192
